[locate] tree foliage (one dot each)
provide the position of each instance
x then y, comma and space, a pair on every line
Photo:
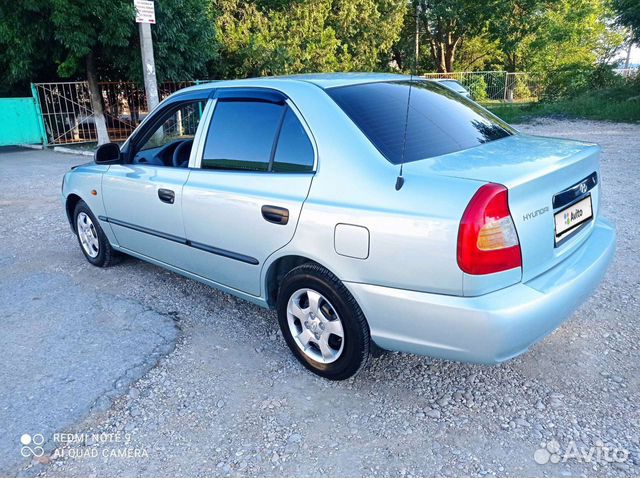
629, 16
88, 27
445, 23
43, 40
567, 37
516, 22
318, 35
46, 40
26, 45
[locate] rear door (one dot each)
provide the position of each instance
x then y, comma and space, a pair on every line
242, 202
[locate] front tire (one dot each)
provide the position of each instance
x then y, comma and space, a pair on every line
92, 239
322, 323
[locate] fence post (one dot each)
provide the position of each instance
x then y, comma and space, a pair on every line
36, 101
506, 80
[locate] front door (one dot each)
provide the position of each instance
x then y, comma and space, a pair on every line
243, 201
143, 198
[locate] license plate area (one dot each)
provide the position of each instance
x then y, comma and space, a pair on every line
570, 219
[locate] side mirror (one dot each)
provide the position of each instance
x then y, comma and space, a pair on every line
108, 153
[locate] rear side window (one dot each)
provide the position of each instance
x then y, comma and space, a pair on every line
439, 120
256, 136
294, 153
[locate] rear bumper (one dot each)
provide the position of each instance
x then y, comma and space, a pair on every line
493, 327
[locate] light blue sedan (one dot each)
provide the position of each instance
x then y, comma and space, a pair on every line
371, 211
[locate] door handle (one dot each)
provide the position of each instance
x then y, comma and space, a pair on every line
166, 195
275, 214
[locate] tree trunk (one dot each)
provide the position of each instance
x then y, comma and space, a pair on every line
448, 57
450, 52
439, 57
96, 101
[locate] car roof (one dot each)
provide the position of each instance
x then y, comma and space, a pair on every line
322, 80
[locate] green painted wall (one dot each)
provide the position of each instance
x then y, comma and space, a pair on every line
20, 122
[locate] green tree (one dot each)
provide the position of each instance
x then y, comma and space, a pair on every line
569, 36
27, 49
515, 22
445, 23
86, 30
183, 40
44, 40
366, 29
629, 16
268, 38
479, 53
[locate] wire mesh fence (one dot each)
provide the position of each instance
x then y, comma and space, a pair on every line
68, 114
495, 86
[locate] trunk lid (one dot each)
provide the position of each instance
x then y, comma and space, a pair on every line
534, 169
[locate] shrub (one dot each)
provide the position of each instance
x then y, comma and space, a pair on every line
574, 81
477, 86
521, 90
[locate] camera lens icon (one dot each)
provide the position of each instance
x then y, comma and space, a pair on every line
32, 445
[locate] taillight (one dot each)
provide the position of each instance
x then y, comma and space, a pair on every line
487, 238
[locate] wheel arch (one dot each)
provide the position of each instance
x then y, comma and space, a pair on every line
70, 206
278, 269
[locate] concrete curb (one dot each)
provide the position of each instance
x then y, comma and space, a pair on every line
31, 146
62, 149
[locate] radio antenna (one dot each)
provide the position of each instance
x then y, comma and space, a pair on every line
400, 178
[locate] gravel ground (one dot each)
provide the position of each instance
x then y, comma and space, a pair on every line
231, 401
67, 345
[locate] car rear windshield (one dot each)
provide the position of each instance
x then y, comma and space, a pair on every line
438, 120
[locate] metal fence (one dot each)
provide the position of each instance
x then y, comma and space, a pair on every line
496, 86
68, 115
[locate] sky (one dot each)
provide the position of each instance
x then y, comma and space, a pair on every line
635, 55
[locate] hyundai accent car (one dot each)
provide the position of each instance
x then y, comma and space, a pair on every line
372, 211
455, 86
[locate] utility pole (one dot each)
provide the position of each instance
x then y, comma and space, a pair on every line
145, 16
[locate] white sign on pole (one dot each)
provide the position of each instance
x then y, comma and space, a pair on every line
145, 11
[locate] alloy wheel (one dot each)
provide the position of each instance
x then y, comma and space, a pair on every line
315, 326
88, 235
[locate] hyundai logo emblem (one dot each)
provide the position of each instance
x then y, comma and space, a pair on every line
583, 188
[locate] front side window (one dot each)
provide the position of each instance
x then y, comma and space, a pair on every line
256, 136
170, 142
438, 120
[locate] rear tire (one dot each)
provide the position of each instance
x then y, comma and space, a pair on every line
322, 323
92, 239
